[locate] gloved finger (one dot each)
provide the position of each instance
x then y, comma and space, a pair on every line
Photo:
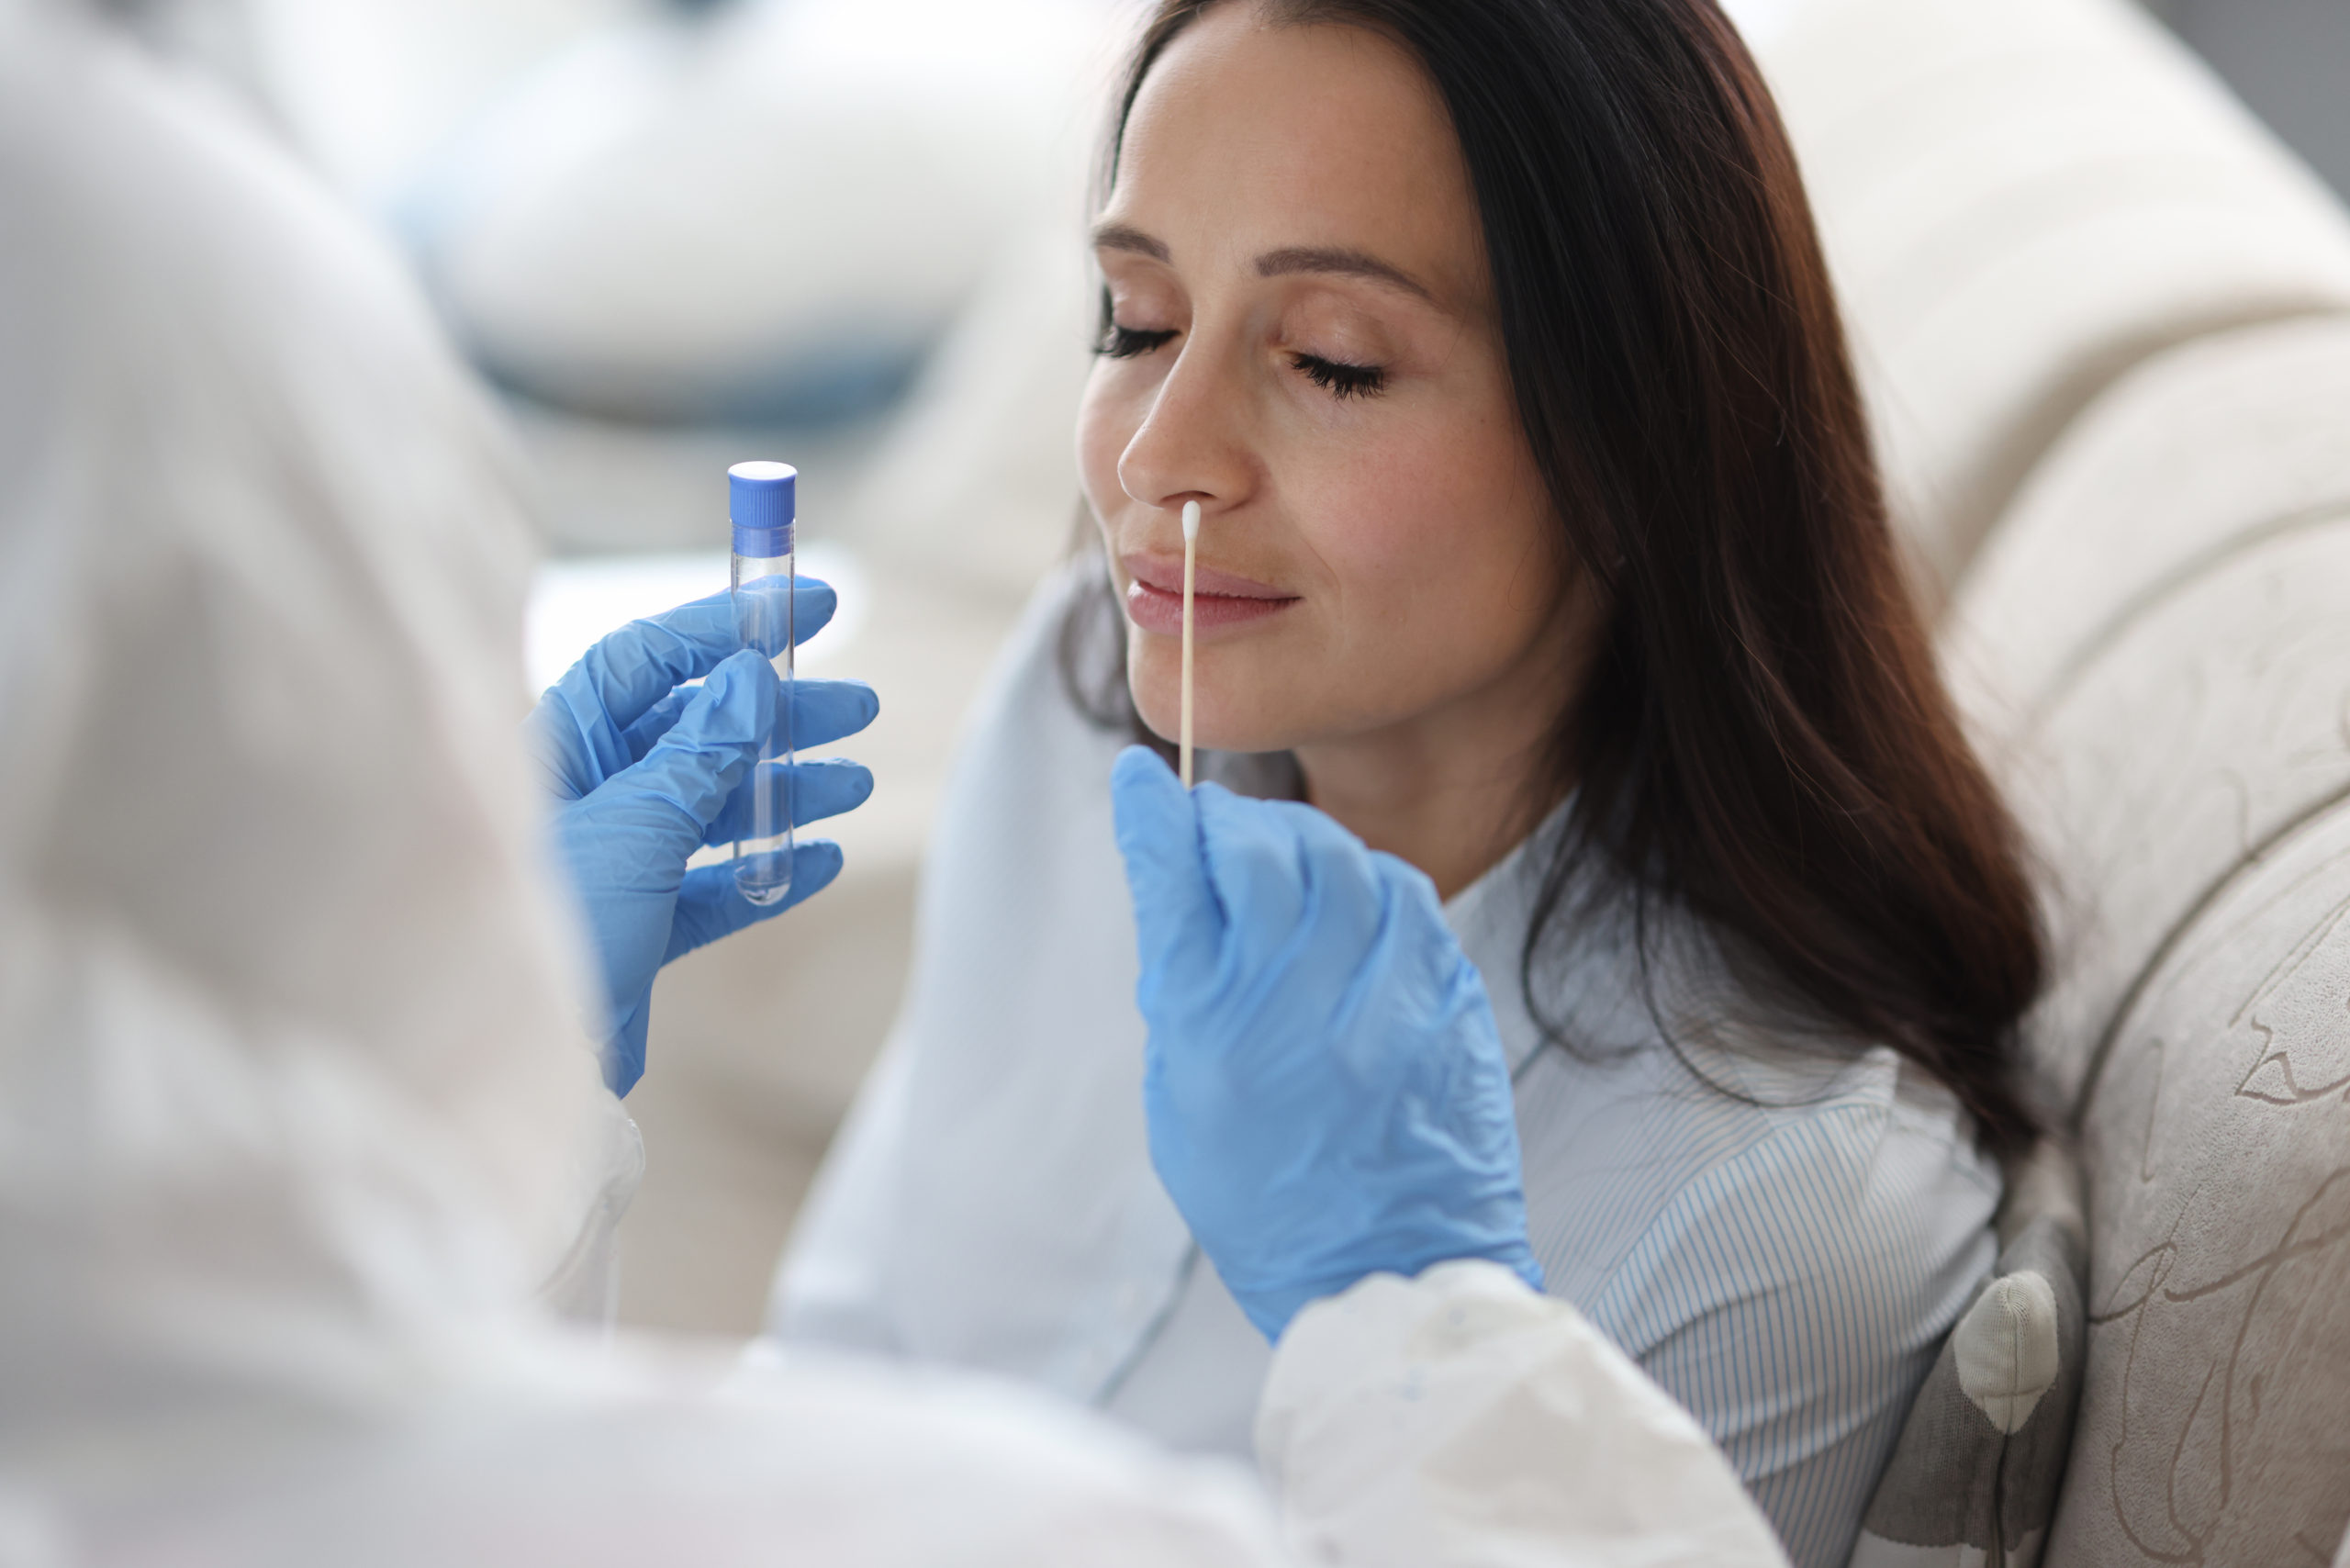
1179, 926
1345, 895
809, 791
623, 676
824, 712
645, 733
1424, 941
1257, 859
812, 604
710, 906
623, 1052
708, 752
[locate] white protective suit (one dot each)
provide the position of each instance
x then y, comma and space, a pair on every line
296, 1120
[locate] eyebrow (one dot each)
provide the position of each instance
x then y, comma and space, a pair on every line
1276, 263
1344, 263
1120, 236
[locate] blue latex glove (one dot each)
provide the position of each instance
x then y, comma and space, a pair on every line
1326, 1092
641, 774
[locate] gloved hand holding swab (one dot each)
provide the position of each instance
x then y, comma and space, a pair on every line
1191, 560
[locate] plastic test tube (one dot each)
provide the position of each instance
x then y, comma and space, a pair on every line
763, 503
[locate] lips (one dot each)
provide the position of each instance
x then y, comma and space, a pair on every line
1219, 599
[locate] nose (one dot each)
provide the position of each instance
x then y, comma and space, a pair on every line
1191, 444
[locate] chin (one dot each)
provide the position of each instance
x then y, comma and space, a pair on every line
1232, 710
1213, 727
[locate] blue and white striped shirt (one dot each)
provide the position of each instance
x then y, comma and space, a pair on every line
1784, 1258
1782, 1247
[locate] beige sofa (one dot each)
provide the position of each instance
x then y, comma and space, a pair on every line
2105, 321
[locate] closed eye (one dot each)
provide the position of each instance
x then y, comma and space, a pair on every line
1338, 378
1127, 342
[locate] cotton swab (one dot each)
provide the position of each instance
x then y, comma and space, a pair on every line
1191, 560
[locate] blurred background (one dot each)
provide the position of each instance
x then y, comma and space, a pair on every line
844, 234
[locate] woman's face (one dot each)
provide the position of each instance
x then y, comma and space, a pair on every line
1304, 341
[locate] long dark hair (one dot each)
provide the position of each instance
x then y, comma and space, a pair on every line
1763, 738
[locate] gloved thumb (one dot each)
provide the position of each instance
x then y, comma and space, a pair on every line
1177, 922
714, 744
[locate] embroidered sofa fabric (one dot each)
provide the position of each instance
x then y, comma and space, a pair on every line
2157, 644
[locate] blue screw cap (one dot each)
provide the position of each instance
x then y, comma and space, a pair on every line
762, 500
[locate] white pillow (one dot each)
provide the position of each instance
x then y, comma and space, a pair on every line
771, 210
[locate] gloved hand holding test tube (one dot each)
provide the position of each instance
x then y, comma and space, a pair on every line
643, 769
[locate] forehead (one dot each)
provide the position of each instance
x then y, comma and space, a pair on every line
1248, 138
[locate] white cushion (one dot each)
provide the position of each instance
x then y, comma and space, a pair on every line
2005, 1348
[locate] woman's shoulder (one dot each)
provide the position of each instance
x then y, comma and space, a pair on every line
1683, 1136
1642, 994
1875, 1134
1765, 1191
1668, 1102
1827, 1099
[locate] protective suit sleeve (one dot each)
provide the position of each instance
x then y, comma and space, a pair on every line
1462, 1417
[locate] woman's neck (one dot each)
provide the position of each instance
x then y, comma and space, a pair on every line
1452, 790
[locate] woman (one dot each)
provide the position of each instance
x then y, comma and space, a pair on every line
1541, 548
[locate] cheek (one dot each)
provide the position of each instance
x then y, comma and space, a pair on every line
1105, 425
1439, 547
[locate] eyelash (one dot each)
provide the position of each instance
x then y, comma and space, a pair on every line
1125, 342
1336, 377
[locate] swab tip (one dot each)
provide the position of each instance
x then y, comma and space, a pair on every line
1191, 521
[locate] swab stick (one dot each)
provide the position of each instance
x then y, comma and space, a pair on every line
1190, 559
